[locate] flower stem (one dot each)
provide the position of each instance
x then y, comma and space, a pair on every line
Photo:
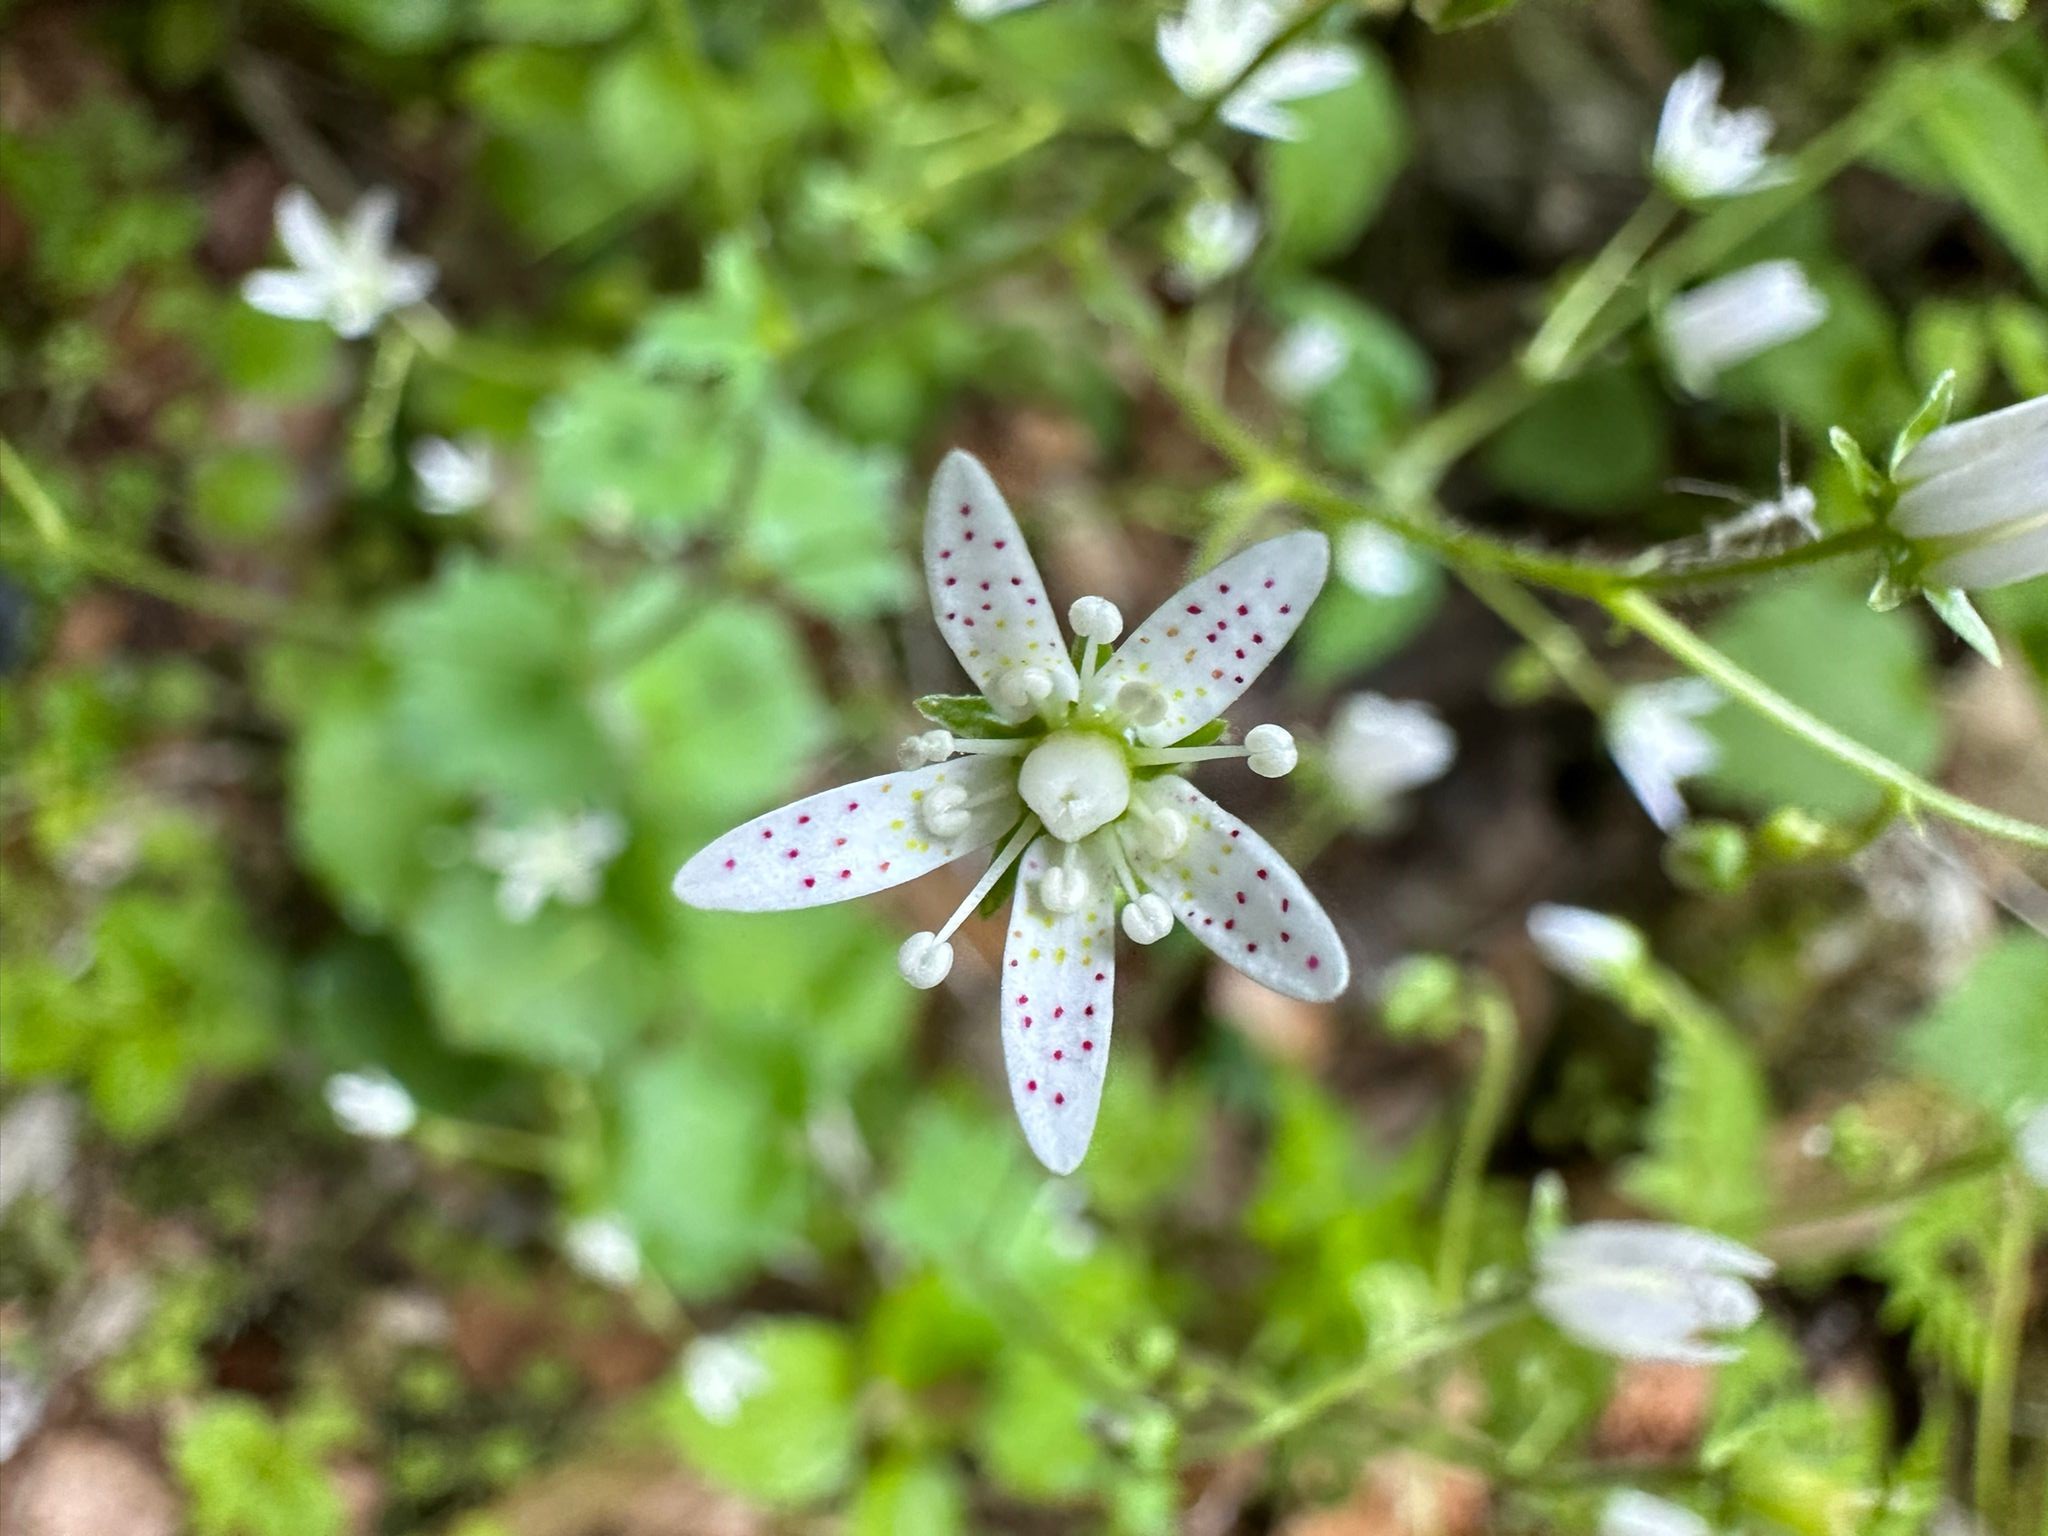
1992, 1469
1494, 1018
1556, 341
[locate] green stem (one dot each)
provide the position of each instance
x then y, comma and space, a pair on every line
1671, 578
1555, 343
2011, 1283
1642, 614
1494, 1018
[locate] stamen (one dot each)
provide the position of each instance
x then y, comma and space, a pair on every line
1146, 917
1270, 748
925, 748
1098, 622
1165, 828
1023, 690
1141, 704
924, 959
945, 812
1064, 887
1011, 852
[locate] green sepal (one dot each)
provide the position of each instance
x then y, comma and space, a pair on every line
1000, 893
1207, 735
965, 714
1934, 411
1953, 607
1863, 475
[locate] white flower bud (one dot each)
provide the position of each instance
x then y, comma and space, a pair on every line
924, 959
1645, 1290
1148, 919
371, 1104
1731, 319
1272, 751
1096, 618
1588, 947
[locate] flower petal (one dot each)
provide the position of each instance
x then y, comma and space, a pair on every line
1059, 971
1203, 647
848, 842
1245, 902
1651, 1245
372, 223
304, 232
1996, 564
1969, 441
986, 593
290, 295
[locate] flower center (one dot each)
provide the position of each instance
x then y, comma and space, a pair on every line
1076, 782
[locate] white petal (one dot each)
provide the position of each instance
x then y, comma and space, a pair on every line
1629, 1512
1245, 902
1623, 1320
1997, 564
1204, 646
848, 842
1059, 974
304, 232
1249, 112
1309, 70
1999, 487
1652, 1245
411, 279
1979, 437
986, 593
372, 223
290, 295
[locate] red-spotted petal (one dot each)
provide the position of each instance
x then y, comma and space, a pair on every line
986, 593
1206, 644
1245, 902
851, 841
1059, 971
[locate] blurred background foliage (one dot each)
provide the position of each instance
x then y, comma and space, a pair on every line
719, 282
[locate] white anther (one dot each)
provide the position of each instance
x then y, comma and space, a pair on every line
1166, 833
945, 811
925, 747
1096, 619
924, 959
1062, 889
1271, 751
1148, 919
1023, 690
1141, 704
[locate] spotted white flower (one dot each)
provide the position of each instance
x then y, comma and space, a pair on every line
1629, 1512
1973, 496
720, 1372
604, 1248
1076, 772
1375, 562
1710, 329
1208, 46
2033, 1145
348, 275
987, 10
1654, 736
1309, 355
1588, 947
555, 858
1705, 150
1214, 238
1644, 1290
1380, 748
453, 477
372, 1104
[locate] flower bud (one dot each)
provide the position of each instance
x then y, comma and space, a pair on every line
1712, 856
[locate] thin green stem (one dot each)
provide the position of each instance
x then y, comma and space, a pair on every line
1672, 578
1641, 613
1556, 341
1494, 1017
2011, 1284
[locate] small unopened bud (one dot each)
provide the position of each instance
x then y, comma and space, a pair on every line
924, 748
1272, 751
1710, 856
1062, 890
1024, 689
924, 959
1095, 618
1790, 835
1141, 704
1148, 919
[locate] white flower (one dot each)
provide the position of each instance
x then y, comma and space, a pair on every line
2033, 1145
1214, 238
1974, 494
1213, 42
1589, 947
1376, 562
986, 10
556, 858
348, 276
38, 1145
604, 1248
1380, 748
1309, 355
453, 477
1704, 150
1630, 1513
1655, 741
1711, 328
22, 1402
1644, 1290
371, 1104
1059, 779
719, 1374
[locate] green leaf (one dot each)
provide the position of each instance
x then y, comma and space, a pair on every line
549, 21
1451, 15
617, 450
240, 494
643, 118
1037, 1436
1953, 607
821, 522
1348, 631
903, 1497
1323, 188
1990, 137
1706, 1131
1596, 443
1988, 1038
793, 1437
965, 714
1865, 673
250, 1475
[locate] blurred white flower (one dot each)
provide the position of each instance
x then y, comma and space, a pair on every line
719, 1374
453, 477
984, 10
1977, 492
555, 858
2033, 1145
38, 1144
1309, 354
1643, 1290
1632, 1513
1704, 150
1656, 742
349, 276
1380, 748
1588, 947
1213, 239
22, 1401
1711, 328
604, 1248
1211, 43
1375, 562
372, 1104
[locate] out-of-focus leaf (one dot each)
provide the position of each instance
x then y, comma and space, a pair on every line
820, 522
617, 450
549, 21
1595, 443
1347, 631
394, 26
251, 1475
1991, 138
1988, 1038
1323, 188
642, 118
1037, 1435
1450, 15
902, 1497
240, 494
791, 1436
371, 849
